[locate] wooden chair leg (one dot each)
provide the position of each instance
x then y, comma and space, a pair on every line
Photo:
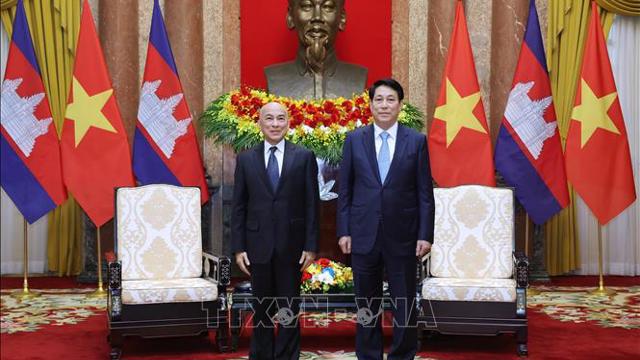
115, 353
521, 339
236, 323
222, 338
115, 340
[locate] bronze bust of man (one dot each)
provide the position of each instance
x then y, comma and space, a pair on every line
316, 73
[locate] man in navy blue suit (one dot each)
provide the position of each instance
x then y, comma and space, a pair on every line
385, 220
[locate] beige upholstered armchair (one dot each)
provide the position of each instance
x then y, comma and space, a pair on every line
162, 283
474, 283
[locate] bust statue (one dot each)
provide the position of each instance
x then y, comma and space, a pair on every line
316, 73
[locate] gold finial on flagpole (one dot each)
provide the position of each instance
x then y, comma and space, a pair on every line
25, 293
601, 290
100, 292
530, 291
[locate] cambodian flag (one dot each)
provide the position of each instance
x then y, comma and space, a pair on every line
165, 148
528, 150
30, 151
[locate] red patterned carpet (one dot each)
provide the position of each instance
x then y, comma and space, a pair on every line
563, 324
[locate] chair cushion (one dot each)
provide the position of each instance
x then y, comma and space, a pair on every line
473, 234
453, 289
168, 291
158, 232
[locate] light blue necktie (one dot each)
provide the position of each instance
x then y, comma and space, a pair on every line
384, 158
272, 168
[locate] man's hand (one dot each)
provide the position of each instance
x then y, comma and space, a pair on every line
422, 248
306, 259
243, 262
345, 244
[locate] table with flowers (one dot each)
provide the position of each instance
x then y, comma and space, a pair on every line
326, 287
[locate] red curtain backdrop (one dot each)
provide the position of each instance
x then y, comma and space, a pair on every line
265, 39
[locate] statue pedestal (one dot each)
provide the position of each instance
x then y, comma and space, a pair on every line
89, 272
328, 242
328, 245
537, 269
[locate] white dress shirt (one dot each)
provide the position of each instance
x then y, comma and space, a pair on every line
391, 140
279, 154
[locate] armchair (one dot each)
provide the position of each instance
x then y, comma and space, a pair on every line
161, 283
473, 282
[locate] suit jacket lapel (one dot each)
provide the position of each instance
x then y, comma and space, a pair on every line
401, 143
261, 167
289, 154
370, 149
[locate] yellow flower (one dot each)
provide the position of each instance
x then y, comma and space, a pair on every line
313, 269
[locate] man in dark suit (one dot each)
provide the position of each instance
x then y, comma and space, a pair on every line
385, 219
274, 231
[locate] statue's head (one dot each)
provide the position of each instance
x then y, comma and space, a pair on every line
317, 23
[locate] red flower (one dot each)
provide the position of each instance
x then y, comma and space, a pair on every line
253, 114
306, 276
347, 105
329, 106
256, 102
311, 109
296, 120
334, 118
324, 262
318, 119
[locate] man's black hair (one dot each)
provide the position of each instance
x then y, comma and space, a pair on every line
387, 82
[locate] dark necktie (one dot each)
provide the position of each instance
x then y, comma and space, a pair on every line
272, 168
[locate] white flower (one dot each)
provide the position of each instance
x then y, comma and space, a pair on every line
323, 277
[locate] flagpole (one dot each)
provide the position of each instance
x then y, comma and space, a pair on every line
100, 290
530, 291
601, 290
25, 293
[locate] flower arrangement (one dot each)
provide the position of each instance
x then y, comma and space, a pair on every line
326, 277
319, 125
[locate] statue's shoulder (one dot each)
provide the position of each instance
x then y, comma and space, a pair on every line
352, 68
282, 69
357, 74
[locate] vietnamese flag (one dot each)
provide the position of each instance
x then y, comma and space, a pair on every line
459, 142
95, 153
597, 153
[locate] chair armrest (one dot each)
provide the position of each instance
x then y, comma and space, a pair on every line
521, 269
521, 275
217, 268
114, 279
424, 267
